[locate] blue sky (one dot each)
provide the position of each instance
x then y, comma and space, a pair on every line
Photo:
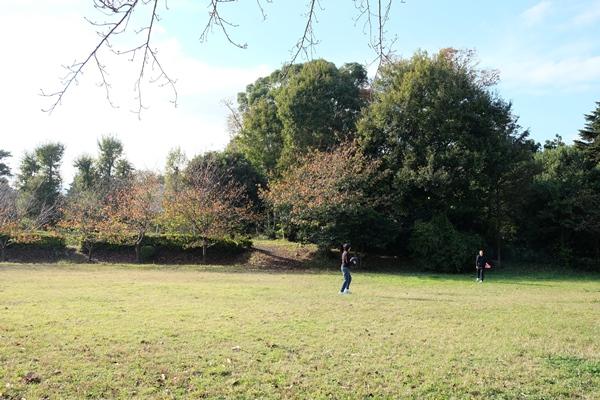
547, 52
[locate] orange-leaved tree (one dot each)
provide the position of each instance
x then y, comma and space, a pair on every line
210, 206
134, 208
331, 197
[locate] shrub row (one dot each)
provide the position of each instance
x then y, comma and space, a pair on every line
174, 242
38, 240
42, 244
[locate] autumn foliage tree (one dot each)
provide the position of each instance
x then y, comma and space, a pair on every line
209, 206
84, 216
133, 209
333, 197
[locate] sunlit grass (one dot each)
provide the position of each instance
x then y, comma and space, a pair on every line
182, 332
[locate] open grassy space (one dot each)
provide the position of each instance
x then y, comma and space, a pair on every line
99, 331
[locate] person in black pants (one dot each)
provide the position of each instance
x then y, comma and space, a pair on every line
480, 262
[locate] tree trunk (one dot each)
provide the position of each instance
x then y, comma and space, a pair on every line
137, 252
204, 251
138, 247
3, 245
89, 253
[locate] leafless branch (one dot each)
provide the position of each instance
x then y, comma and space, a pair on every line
375, 24
124, 9
262, 9
150, 56
215, 19
308, 40
76, 69
118, 14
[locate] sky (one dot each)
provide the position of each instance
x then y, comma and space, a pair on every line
547, 53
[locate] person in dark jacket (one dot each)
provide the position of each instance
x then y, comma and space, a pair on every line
480, 262
346, 269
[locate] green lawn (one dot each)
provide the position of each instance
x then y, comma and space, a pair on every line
183, 332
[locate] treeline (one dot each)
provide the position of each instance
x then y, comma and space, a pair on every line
110, 204
427, 161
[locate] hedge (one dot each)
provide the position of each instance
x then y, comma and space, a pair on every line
38, 240
174, 242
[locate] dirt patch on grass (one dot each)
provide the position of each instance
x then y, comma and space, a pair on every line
281, 255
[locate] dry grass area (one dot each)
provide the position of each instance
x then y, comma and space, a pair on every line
119, 331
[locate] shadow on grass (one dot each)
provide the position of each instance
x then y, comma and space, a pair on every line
286, 263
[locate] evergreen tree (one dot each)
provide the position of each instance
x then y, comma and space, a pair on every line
590, 135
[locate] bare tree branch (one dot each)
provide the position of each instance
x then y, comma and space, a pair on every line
124, 9
76, 68
308, 40
119, 16
375, 23
215, 19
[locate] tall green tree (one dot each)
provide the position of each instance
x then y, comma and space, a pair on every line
86, 175
174, 170
302, 107
439, 126
564, 208
590, 135
319, 107
110, 150
39, 182
106, 172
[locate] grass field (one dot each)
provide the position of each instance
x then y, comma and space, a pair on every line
100, 331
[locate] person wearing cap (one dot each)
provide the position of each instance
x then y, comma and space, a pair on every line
346, 261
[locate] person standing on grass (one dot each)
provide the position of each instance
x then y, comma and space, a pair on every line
346, 269
480, 262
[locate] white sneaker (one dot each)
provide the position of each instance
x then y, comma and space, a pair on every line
346, 291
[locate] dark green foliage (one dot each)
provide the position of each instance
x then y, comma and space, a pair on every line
39, 183
318, 108
366, 228
436, 124
307, 106
147, 253
231, 165
437, 245
563, 211
86, 176
110, 151
175, 243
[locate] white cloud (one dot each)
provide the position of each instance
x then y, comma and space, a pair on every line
569, 74
587, 17
536, 14
42, 43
